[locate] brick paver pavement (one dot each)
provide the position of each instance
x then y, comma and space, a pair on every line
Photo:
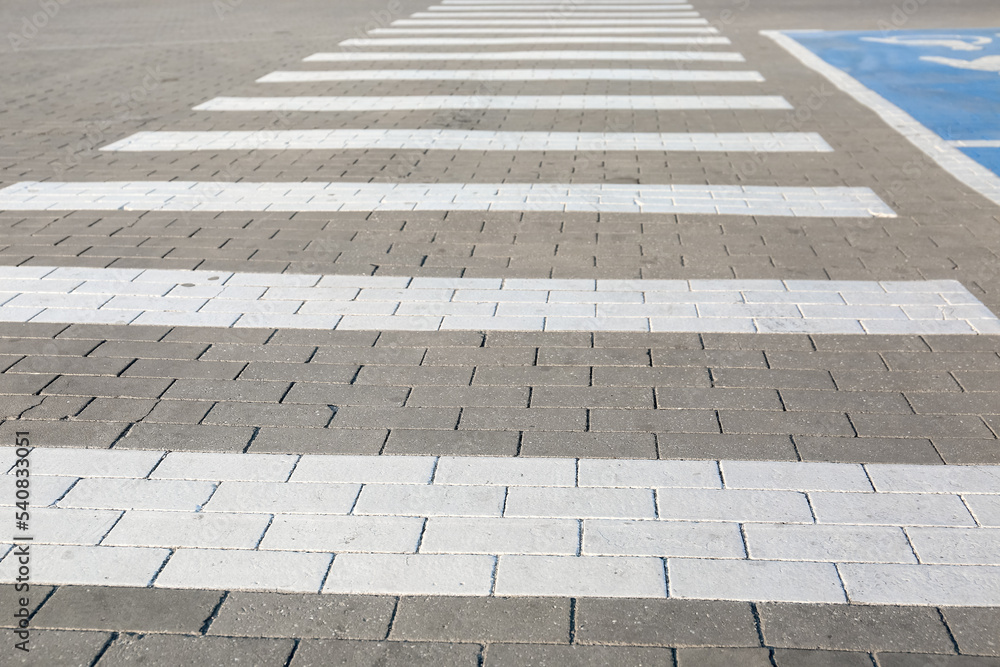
488, 333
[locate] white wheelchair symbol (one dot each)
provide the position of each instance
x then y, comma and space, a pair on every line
953, 42
984, 64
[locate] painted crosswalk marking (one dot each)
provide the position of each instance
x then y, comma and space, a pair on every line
763, 531
553, 23
512, 102
759, 142
574, 16
339, 196
457, 56
303, 301
547, 32
539, 39
633, 74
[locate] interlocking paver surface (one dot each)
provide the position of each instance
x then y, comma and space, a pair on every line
491, 332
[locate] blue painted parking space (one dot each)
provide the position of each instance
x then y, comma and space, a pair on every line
948, 80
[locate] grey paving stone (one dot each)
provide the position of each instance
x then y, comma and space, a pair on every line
582, 656
197, 650
866, 450
253, 614
976, 629
968, 451
186, 437
67, 433
492, 619
719, 657
249, 391
920, 426
523, 419
797, 423
665, 622
60, 647
318, 440
436, 442
812, 658
719, 398
908, 659
752, 447
659, 421
630, 445
322, 652
854, 628
362, 416
11, 598
118, 609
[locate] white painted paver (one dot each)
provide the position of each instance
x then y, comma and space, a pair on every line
68, 526
188, 529
920, 479
872, 544
536, 39
45, 490
87, 565
959, 546
522, 56
897, 509
509, 102
536, 305
501, 536
775, 475
939, 585
505, 472
732, 505
548, 33
538, 501
580, 576
146, 494
754, 580
92, 462
318, 196
231, 569
420, 574
552, 525
473, 140
339, 534
662, 538
222, 467
437, 500
680, 18
618, 472
284, 498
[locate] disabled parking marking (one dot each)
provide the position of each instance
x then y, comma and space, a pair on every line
939, 88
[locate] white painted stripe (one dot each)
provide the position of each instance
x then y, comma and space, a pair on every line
502, 41
761, 142
555, 32
560, 9
398, 525
631, 74
552, 15
513, 102
975, 143
551, 22
301, 301
317, 196
458, 56
952, 160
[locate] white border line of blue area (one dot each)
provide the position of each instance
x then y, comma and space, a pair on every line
952, 160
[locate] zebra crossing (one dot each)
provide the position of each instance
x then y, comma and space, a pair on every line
132, 532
